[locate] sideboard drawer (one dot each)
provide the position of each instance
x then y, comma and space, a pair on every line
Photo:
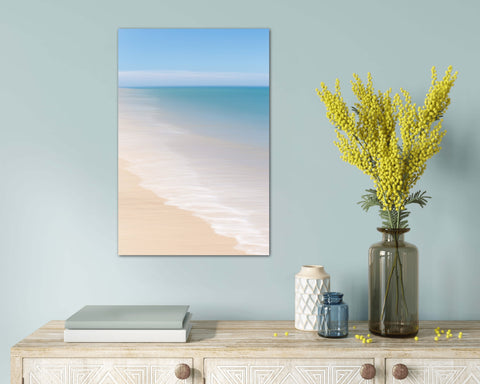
285, 371
103, 371
430, 371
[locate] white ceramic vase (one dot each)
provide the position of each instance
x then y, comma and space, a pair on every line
310, 283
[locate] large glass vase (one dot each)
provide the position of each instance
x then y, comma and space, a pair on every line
393, 285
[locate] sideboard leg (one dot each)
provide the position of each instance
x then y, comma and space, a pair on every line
16, 371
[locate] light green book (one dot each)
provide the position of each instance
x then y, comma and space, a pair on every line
128, 317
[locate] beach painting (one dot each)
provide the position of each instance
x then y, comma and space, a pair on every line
193, 141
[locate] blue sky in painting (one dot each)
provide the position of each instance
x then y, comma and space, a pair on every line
193, 57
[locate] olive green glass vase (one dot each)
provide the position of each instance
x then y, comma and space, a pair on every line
393, 285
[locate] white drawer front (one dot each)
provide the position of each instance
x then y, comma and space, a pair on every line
103, 371
284, 371
441, 371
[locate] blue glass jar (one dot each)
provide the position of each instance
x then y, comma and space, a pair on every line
333, 315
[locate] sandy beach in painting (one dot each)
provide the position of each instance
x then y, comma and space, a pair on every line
192, 180
147, 226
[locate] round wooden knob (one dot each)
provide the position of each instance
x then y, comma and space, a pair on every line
182, 371
367, 371
400, 371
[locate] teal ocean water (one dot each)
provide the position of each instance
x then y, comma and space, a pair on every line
232, 113
205, 150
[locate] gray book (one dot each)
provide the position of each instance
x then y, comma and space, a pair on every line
128, 317
129, 335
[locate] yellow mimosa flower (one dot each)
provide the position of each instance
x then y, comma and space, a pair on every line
389, 138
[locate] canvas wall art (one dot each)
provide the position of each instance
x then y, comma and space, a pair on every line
193, 141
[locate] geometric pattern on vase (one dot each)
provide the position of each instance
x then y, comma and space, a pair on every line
104, 371
307, 301
311, 286
307, 322
307, 304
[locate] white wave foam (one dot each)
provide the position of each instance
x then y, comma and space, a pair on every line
188, 193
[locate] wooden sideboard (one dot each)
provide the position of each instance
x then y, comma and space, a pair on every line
248, 352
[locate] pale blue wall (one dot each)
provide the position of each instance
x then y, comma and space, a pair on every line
58, 159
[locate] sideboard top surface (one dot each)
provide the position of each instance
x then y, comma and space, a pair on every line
256, 338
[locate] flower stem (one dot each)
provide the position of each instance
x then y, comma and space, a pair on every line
397, 269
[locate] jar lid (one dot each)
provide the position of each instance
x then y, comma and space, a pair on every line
332, 297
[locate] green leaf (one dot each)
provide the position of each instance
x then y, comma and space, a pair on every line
370, 200
393, 218
418, 197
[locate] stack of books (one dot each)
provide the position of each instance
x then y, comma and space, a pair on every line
129, 324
